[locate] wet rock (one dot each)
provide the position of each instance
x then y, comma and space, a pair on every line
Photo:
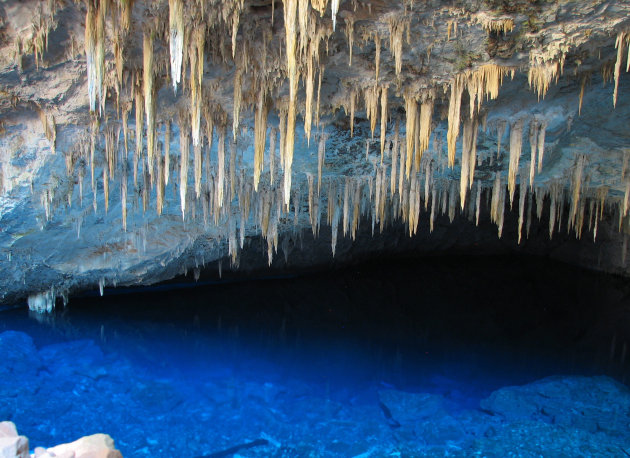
409, 408
18, 355
592, 404
8, 429
94, 446
14, 447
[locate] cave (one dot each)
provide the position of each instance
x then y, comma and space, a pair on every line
304, 228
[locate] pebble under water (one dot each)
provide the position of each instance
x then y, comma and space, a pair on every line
448, 356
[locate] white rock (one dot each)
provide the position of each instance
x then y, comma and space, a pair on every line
14, 447
8, 429
95, 446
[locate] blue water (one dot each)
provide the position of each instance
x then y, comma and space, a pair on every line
360, 362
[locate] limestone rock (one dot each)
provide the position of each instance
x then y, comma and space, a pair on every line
8, 429
94, 446
14, 447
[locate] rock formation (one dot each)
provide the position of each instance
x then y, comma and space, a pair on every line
454, 112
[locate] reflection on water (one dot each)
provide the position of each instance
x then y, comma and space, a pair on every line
402, 357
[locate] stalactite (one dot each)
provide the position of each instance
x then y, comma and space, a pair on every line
501, 214
50, 129
501, 128
146, 188
452, 201
516, 143
196, 58
236, 18
95, 53
580, 219
457, 87
485, 83
238, 97
411, 109
533, 143
581, 99
139, 136
198, 168
331, 203
396, 29
496, 199
321, 153
371, 96
334, 6
478, 204
184, 153
383, 120
123, 194
221, 166
541, 144
110, 150
497, 25
350, 36
576, 184
377, 57
355, 210
148, 92
303, 22
541, 75
619, 44
273, 135
427, 182
94, 130
308, 104
319, 91
468, 159
290, 12
125, 128
426, 120
311, 203
473, 153
159, 201
353, 101
522, 193
167, 149
433, 209
401, 173
232, 169
260, 135
106, 188
176, 39
283, 135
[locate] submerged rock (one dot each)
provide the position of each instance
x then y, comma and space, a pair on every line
592, 404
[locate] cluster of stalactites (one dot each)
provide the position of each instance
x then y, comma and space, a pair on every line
236, 207
541, 75
482, 83
404, 182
